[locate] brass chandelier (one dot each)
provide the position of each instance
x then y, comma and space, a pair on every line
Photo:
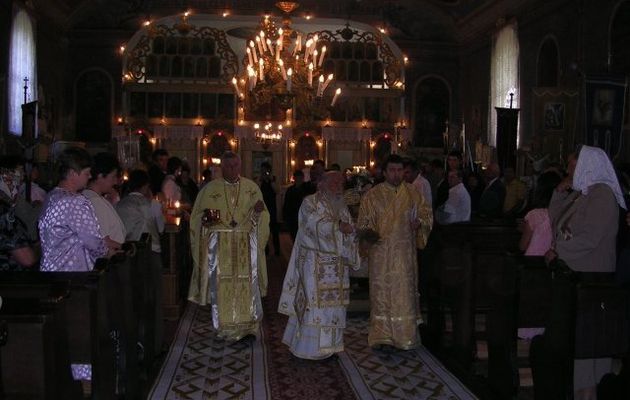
283, 75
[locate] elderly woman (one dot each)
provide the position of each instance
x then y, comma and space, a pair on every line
69, 229
584, 212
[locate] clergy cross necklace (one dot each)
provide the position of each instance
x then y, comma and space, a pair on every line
227, 203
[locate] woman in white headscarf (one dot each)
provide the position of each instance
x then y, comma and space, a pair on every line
585, 216
584, 212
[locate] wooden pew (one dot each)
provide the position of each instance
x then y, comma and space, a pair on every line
586, 329
35, 360
522, 300
171, 278
85, 310
468, 262
101, 324
147, 299
123, 324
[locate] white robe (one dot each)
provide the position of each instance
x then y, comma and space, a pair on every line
316, 286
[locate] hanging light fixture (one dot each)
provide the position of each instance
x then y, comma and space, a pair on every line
283, 71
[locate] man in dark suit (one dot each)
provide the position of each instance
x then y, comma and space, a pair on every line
493, 196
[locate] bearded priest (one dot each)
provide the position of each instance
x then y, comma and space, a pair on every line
316, 286
229, 227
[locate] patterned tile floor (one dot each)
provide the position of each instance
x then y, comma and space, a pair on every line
201, 366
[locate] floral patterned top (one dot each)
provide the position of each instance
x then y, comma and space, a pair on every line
70, 233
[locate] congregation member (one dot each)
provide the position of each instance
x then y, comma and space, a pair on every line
584, 211
515, 193
229, 227
439, 186
403, 221
15, 247
414, 176
457, 206
188, 185
135, 209
158, 169
38, 194
316, 286
537, 237
171, 190
70, 233
267, 187
315, 173
493, 195
474, 185
293, 198
104, 176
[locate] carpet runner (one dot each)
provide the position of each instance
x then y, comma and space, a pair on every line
201, 366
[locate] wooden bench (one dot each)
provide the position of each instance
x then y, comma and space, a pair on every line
466, 263
522, 300
100, 320
35, 359
584, 330
147, 299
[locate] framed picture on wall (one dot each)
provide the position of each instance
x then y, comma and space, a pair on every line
259, 157
554, 116
554, 122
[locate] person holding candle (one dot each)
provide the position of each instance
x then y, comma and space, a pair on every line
229, 226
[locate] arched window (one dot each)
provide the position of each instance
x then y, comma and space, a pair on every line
94, 106
548, 64
432, 105
22, 64
504, 75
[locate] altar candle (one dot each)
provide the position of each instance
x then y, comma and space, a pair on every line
270, 46
249, 56
327, 82
334, 100
289, 74
320, 86
262, 39
307, 50
251, 46
235, 83
295, 48
321, 58
282, 70
252, 76
260, 46
310, 74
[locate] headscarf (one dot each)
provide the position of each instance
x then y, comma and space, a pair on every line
593, 166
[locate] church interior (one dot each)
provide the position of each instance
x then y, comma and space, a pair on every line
520, 85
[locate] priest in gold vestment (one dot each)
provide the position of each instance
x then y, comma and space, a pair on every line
403, 221
316, 286
227, 243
